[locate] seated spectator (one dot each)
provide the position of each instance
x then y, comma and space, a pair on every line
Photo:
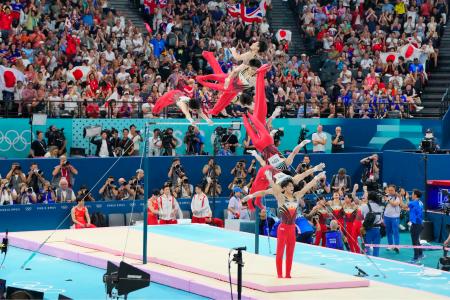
104, 146
64, 193
231, 139
200, 206
108, 191
341, 181
153, 208
80, 215
225, 150
52, 152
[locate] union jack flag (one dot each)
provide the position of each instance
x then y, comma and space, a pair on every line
248, 14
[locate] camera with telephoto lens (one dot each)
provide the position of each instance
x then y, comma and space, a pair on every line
303, 133
30, 190
220, 131
55, 136
167, 138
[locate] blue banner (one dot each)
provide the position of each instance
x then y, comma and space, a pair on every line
360, 135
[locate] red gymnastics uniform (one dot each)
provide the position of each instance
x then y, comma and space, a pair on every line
286, 237
349, 219
80, 216
152, 219
338, 214
171, 97
356, 232
320, 235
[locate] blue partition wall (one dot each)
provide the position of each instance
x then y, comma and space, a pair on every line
360, 135
94, 171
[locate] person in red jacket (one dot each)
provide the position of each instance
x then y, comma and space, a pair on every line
5, 21
80, 215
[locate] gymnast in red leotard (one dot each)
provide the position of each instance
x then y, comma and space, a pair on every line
80, 215
288, 202
184, 98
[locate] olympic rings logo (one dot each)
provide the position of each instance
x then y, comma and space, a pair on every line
37, 286
28, 208
15, 140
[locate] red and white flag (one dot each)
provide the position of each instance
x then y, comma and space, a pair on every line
386, 57
409, 52
9, 78
79, 73
283, 34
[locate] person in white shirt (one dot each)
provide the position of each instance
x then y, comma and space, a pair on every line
392, 217
319, 139
366, 63
200, 206
136, 138
168, 207
235, 207
155, 143
346, 75
7, 194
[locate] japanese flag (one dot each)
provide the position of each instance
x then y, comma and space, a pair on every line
409, 52
283, 34
9, 78
385, 57
79, 73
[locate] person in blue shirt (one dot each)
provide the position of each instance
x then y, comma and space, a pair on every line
416, 66
159, 45
334, 237
415, 207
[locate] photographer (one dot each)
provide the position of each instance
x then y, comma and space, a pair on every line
55, 137
371, 174
47, 194
35, 178
372, 213
108, 191
124, 191
104, 146
239, 171
15, 176
8, 194
176, 171
322, 187
155, 143
194, 141
38, 147
64, 170
136, 139
186, 189
304, 166
303, 134
231, 139
168, 142
137, 186
26, 195
85, 194
341, 181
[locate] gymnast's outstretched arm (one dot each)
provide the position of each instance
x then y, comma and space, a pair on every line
294, 152
299, 177
299, 195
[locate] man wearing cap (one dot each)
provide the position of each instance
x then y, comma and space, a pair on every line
235, 209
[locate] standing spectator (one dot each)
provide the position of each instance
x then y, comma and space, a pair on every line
155, 143
126, 144
64, 193
337, 144
341, 181
371, 232
38, 146
200, 206
168, 207
136, 138
392, 217
104, 146
64, 170
231, 139
35, 178
319, 139
415, 207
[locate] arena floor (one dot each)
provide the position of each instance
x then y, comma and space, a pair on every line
193, 258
